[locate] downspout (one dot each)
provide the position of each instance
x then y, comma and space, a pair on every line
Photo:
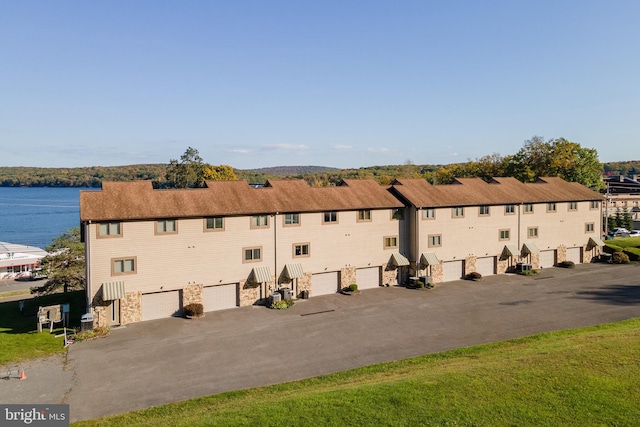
87, 264
416, 244
275, 249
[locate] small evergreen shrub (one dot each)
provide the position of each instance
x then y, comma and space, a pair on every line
282, 304
193, 309
474, 275
420, 284
353, 287
620, 258
566, 264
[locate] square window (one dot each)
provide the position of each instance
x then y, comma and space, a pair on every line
330, 217
300, 250
595, 204
589, 227
505, 234
573, 206
528, 208
260, 221
458, 212
252, 254
214, 223
532, 232
166, 226
510, 209
484, 210
390, 242
429, 213
364, 215
435, 240
123, 266
292, 219
551, 207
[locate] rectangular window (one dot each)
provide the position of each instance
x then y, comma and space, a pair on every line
260, 221
594, 204
484, 211
510, 209
252, 254
364, 215
458, 212
123, 266
435, 240
589, 227
292, 219
109, 229
505, 234
166, 226
532, 232
397, 214
573, 206
214, 223
428, 213
390, 242
330, 217
551, 207
528, 208
300, 250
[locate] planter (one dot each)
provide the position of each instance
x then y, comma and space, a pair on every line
349, 292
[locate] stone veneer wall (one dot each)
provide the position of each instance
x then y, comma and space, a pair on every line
588, 253
99, 310
250, 292
304, 284
347, 276
437, 273
192, 294
501, 266
469, 265
131, 308
561, 254
535, 261
389, 276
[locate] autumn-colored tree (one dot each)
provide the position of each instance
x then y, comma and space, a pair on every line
219, 173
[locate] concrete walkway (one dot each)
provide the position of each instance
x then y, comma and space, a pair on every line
157, 362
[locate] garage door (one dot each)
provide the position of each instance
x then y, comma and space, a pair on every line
368, 278
547, 258
485, 266
573, 254
220, 297
324, 284
161, 305
451, 270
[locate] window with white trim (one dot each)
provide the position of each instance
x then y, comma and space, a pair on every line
551, 207
532, 232
109, 229
435, 240
528, 208
364, 215
505, 234
509, 209
457, 212
260, 221
252, 254
300, 250
330, 217
589, 227
292, 219
166, 226
429, 213
390, 242
214, 223
483, 210
121, 266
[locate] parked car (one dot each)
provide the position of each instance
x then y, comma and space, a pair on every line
634, 233
619, 232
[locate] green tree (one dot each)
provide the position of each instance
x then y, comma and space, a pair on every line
188, 171
65, 264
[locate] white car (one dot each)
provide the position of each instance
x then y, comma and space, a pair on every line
634, 233
619, 231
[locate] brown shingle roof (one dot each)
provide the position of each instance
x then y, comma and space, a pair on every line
138, 200
500, 191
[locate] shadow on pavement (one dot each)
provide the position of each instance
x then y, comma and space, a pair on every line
615, 294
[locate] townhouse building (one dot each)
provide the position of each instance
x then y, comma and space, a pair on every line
150, 252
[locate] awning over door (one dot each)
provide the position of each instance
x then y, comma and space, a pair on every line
594, 241
529, 248
510, 250
112, 291
293, 270
399, 260
429, 258
261, 274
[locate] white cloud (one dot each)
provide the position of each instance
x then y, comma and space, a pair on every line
341, 147
287, 147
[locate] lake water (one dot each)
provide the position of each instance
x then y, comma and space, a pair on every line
35, 215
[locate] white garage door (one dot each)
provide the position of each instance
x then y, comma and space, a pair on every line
485, 266
324, 284
368, 278
220, 297
451, 270
161, 305
547, 258
573, 254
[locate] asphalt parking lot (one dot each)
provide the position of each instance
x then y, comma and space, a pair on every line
157, 362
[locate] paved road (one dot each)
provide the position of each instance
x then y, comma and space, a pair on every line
156, 362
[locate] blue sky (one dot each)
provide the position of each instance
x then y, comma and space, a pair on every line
333, 83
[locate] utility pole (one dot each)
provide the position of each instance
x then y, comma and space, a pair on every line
606, 211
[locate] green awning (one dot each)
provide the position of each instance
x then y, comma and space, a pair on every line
399, 260
112, 291
594, 241
511, 250
429, 258
261, 274
293, 270
529, 248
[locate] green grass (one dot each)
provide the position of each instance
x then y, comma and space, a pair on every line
580, 377
625, 242
14, 293
19, 336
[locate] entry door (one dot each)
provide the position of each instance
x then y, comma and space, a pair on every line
114, 313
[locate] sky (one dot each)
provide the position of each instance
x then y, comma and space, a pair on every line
343, 84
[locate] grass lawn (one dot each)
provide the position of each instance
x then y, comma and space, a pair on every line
580, 377
625, 242
19, 337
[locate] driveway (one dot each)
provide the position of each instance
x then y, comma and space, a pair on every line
157, 362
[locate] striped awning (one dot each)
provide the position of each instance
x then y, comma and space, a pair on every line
293, 270
112, 291
511, 250
399, 260
529, 248
261, 274
594, 241
429, 258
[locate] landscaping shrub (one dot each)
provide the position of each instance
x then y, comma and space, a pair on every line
632, 253
282, 304
620, 258
193, 309
353, 287
566, 264
420, 284
474, 275
529, 272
